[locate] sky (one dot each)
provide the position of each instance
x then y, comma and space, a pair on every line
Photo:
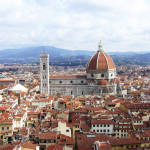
121, 25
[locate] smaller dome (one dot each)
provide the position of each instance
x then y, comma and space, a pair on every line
91, 81
112, 81
118, 80
103, 82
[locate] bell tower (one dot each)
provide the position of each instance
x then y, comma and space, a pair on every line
44, 72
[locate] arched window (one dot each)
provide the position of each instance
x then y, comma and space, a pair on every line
102, 75
43, 76
44, 66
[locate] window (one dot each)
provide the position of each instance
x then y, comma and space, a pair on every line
107, 130
93, 130
71, 81
71, 92
93, 125
102, 75
101, 125
92, 75
97, 130
108, 125
104, 130
104, 125
60, 81
82, 81
52, 141
67, 130
44, 66
101, 130
7, 128
121, 145
2, 128
97, 125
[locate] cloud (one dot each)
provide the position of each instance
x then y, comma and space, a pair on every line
75, 24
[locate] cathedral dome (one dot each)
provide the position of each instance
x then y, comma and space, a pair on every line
103, 82
100, 61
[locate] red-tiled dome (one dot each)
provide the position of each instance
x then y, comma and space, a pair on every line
112, 80
100, 61
118, 80
103, 82
91, 81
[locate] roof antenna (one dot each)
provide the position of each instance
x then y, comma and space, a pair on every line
43, 49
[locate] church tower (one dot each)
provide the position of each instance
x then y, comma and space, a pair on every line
44, 72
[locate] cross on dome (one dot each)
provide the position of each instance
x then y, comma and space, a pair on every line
100, 47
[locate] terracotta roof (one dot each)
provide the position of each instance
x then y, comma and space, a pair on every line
48, 136
63, 139
98, 121
61, 77
56, 146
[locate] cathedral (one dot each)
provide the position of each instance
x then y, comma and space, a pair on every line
100, 77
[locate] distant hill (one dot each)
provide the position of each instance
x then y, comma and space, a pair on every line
62, 56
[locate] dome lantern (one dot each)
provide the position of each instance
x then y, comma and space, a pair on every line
100, 47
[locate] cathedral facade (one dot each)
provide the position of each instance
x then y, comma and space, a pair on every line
100, 78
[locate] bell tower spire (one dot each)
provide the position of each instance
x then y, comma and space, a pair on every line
44, 72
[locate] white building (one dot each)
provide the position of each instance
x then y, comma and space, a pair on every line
64, 129
102, 126
42, 102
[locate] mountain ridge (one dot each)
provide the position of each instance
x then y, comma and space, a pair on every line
31, 54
